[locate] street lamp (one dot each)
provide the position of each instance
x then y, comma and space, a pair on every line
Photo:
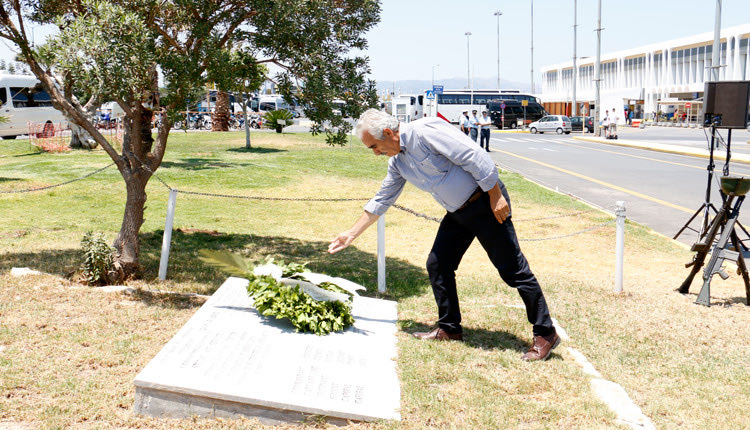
468, 61
532, 46
433, 74
497, 14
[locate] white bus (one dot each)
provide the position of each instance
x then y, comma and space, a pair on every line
406, 107
451, 103
24, 100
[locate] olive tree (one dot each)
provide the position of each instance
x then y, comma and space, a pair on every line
118, 50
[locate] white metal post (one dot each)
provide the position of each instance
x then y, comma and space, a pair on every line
619, 244
381, 254
167, 238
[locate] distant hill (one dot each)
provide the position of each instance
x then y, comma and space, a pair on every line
418, 86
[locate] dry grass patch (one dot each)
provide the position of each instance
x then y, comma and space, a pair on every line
68, 354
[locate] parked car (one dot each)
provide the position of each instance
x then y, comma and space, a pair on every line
578, 121
558, 123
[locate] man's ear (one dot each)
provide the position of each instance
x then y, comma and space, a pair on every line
387, 132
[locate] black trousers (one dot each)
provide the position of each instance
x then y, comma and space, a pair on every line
456, 232
484, 139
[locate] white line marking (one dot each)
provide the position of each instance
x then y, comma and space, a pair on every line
611, 393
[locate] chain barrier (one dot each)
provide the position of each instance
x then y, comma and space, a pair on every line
397, 206
570, 234
198, 193
28, 190
417, 214
555, 216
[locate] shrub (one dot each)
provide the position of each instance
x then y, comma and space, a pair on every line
98, 259
277, 119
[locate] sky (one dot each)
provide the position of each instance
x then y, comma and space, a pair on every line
415, 35
416, 38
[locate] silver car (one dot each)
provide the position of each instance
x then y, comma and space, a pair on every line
558, 123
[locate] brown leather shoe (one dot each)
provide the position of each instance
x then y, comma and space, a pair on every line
542, 347
438, 334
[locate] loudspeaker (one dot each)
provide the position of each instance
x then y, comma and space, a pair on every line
725, 104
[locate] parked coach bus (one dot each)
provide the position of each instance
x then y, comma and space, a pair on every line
451, 103
514, 113
24, 100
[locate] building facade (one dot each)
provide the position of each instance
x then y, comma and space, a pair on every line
658, 81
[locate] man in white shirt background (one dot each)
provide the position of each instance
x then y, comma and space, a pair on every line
484, 131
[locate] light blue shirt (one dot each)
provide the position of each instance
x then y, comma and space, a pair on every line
438, 158
474, 121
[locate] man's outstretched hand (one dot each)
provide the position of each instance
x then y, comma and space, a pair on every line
340, 242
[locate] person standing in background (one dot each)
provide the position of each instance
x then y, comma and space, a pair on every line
484, 131
474, 124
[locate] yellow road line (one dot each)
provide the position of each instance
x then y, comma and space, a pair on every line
596, 181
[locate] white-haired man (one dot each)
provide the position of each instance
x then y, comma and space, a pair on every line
437, 158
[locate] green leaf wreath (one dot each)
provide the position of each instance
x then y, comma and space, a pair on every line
278, 290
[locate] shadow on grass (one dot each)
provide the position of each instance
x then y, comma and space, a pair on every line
56, 262
3, 179
173, 301
403, 279
29, 154
479, 338
199, 164
256, 150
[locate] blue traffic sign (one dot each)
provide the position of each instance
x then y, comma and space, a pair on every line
429, 95
437, 89
502, 105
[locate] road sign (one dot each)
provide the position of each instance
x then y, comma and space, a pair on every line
430, 95
687, 105
524, 102
437, 89
502, 105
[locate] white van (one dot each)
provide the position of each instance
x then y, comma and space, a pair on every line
24, 100
271, 102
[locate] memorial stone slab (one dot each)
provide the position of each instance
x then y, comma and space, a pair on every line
230, 361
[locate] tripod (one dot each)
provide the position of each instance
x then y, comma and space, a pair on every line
724, 221
707, 206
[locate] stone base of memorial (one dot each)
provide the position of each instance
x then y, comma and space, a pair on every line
229, 361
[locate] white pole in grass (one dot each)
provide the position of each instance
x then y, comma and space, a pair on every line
619, 244
381, 254
167, 238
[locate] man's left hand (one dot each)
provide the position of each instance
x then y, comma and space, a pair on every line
499, 205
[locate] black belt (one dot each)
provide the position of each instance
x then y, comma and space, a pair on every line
474, 197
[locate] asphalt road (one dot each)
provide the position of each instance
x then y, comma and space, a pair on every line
660, 190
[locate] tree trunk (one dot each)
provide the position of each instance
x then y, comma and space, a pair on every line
139, 139
80, 138
127, 244
220, 117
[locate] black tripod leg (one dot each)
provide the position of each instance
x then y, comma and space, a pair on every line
700, 209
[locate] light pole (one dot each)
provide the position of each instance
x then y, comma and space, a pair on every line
716, 53
532, 46
433, 74
498, 14
468, 61
574, 110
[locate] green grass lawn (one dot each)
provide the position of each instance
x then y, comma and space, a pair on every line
68, 354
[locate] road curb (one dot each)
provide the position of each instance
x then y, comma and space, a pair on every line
671, 149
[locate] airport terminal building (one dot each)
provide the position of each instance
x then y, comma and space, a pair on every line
664, 78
